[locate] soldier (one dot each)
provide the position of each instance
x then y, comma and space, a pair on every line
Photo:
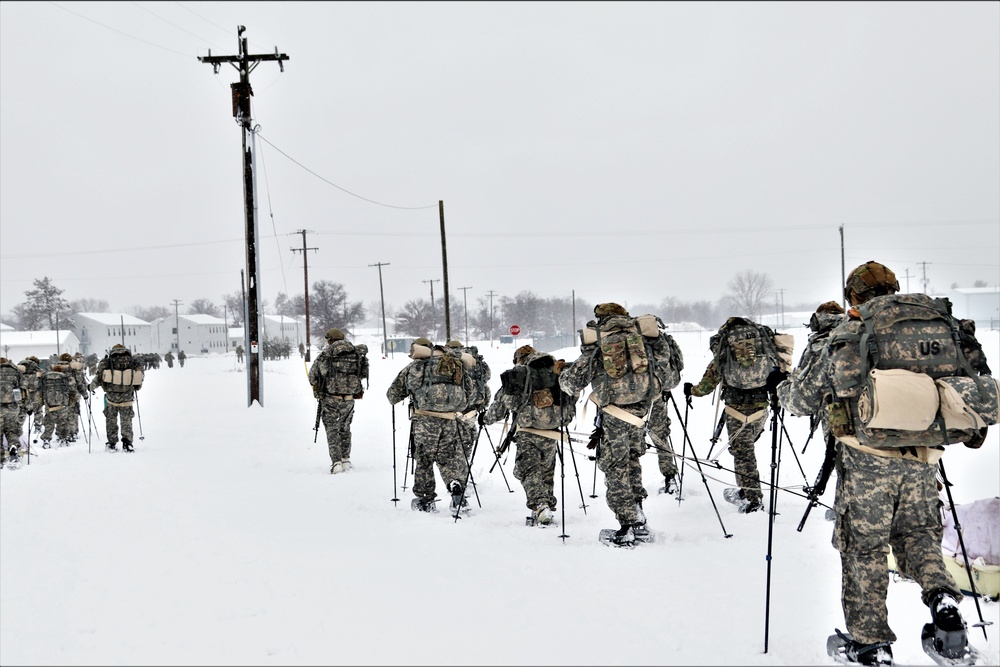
181, 357
628, 367
239, 354
658, 428
31, 400
744, 353
120, 376
886, 488
480, 372
57, 392
541, 409
439, 390
75, 369
335, 377
11, 396
168, 357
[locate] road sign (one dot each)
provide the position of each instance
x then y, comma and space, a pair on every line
514, 330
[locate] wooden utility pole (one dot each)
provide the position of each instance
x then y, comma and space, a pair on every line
465, 307
433, 312
381, 292
491, 294
305, 273
241, 93
444, 266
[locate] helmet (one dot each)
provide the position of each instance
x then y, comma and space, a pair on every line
454, 342
117, 346
522, 353
334, 334
610, 308
423, 341
66, 356
869, 280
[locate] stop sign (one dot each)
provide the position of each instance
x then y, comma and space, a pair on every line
514, 330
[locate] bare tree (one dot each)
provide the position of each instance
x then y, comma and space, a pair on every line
89, 306
415, 318
149, 314
748, 291
203, 307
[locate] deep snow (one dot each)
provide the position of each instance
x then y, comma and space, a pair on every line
225, 540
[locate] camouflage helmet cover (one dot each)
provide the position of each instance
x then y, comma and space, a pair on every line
66, 356
423, 341
610, 308
334, 334
830, 307
869, 280
454, 342
522, 353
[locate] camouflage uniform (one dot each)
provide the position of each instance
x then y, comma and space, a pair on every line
75, 370
337, 396
884, 498
537, 447
11, 378
743, 428
118, 399
467, 424
658, 427
31, 399
434, 434
57, 391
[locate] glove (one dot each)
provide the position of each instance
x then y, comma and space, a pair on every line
595, 437
775, 378
687, 389
558, 366
360, 394
481, 418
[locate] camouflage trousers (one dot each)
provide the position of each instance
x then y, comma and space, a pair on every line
73, 425
884, 502
436, 441
467, 435
112, 414
10, 427
658, 427
742, 437
535, 468
337, 417
618, 459
56, 422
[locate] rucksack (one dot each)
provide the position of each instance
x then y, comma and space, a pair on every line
122, 371
745, 353
905, 370
56, 389
32, 374
443, 385
344, 369
625, 357
480, 374
9, 382
538, 400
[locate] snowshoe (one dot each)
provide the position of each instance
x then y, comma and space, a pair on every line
623, 538
111, 447
421, 505
734, 496
543, 516
127, 447
669, 485
46, 444
845, 650
946, 639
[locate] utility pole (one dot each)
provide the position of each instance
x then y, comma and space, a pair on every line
924, 281
245, 63
177, 325
305, 273
444, 268
381, 293
843, 276
907, 276
433, 313
491, 294
465, 307
782, 293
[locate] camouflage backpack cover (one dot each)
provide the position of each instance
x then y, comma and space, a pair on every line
10, 380
745, 352
899, 369
636, 358
56, 389
480, 374
442, 385
122, 371
32, 376
534, 388
346, 366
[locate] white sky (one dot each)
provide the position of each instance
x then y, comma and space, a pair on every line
224, 540
627, 151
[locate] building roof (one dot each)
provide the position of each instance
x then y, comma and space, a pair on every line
200, 318
977, 290
24, 338
111, 319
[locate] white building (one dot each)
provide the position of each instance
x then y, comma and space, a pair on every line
194, 334
17, 345
981, 304
278, 327
98, 332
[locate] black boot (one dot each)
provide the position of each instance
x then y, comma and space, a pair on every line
947, 635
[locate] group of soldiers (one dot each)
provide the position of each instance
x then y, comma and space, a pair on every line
53, 398
887, 489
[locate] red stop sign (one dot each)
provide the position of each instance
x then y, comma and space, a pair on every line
514, 330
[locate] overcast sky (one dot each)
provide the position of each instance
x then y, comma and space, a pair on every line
627, 151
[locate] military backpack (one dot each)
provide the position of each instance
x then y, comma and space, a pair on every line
10, 384
442, 384
537, 399
746, 352
346, 366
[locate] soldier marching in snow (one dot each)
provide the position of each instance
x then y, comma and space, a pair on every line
335, 377
11, 397
480, 373
440, 390
628, 362
541, 410
120, 376
902, 378
744, 353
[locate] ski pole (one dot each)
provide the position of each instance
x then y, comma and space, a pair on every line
697, 462
409, 452
961, 540
772, 498
395, 498
593, 491
135, 394
572, 457
684, 424
562, 486
497, 455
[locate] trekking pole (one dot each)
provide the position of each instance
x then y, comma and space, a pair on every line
772, 497
684, 424
139, 416
562, 486
470, 459
497, 455
395, 498
784, 432
593, 492
79, 418
409, 452
697, 462
572, 456
961, 540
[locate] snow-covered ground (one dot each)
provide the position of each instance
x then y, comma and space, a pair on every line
224, 540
